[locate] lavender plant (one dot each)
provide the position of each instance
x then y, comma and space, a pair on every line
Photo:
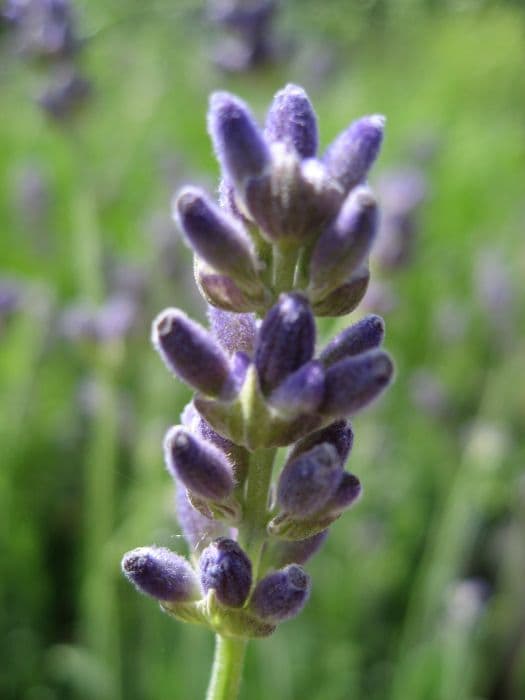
289, 241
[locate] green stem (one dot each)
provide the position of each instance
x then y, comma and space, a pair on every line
283, 272
252, 531
302, 274
226, 673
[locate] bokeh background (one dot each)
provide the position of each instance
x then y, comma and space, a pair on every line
419, 592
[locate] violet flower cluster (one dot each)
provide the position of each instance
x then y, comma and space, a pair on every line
45, 31
248, 25
288, 241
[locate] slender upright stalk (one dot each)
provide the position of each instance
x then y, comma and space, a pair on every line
253, 530
284, 263
226, 673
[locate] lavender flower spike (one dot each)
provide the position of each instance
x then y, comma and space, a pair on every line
239, 145
307, 482
226, 569
344, 246
366, 334
192, 354
282, 594
200, 466
291, 120
352, 383
349, 158
161, 574
286, 340
217, 238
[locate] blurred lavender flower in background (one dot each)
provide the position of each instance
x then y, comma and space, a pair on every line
401, 193
250, 42
45, 31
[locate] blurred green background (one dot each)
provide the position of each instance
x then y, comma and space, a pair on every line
419, 593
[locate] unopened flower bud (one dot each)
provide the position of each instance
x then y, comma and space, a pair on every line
216, 237
307, 482
298, 551
198, 530
282, 594
339, 434
192, 354
236, 455
295, 200
220, 290
291, 120
300, 392
346, 494
366, 334
352, 154
285, 341
238, 141
202, 468
352, 383
161, 574
345, 298
345, 244
226, 569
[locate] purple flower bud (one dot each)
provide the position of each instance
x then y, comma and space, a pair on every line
366, 334
233, 331
198, 530
354, 382
226, 569
161, 574
349, 158
200, 466
238, 142
295, 200
285, 341
220, 291
240, 364
192, 354
282, 594
346, 494
338, 434
300, 392
216, 237
291, 120
236, 455
342, 248
307, 482
298, 551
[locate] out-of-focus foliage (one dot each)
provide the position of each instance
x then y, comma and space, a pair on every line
418, 593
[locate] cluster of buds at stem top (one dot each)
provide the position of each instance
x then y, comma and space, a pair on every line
289, 219
288, 241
